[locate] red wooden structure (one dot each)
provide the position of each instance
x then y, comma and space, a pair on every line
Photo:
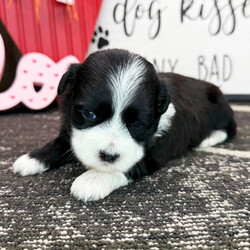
55, 34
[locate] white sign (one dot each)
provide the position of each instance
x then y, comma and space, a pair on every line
205, 39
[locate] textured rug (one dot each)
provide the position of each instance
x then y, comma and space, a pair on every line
196, 202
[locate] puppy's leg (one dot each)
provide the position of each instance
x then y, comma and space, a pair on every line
52, 155
94, 185
216, 137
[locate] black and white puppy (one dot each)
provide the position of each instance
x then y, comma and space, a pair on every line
123, 121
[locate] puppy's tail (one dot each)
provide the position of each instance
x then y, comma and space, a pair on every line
221, 114
231, 128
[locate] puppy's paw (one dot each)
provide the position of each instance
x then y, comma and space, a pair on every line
94, 185
25, 165
216, 137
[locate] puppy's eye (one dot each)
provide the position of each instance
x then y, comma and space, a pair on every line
89, 114
136, 124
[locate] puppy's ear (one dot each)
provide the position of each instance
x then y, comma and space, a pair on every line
163, 99
69, 78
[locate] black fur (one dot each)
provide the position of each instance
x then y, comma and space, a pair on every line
200, 109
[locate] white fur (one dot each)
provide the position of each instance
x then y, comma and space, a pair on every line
112, 136
216, 137
109, 137
125, 82
165, 121
25, 165
94, 185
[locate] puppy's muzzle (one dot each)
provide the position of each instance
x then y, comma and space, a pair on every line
106, 157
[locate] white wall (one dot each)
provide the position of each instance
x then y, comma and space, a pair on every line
205, 39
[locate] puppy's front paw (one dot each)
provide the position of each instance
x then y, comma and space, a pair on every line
25, 165
94, 185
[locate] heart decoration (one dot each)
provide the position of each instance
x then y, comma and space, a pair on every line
35, 69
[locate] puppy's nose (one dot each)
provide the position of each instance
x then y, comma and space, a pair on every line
110, 158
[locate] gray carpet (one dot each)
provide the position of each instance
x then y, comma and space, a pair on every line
199, 201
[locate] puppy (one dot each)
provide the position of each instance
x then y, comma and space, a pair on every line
122, 121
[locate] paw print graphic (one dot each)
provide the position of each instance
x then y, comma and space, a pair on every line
100, 37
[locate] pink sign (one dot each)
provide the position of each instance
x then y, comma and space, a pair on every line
36, 81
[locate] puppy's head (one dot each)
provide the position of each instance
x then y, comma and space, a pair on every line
114, 104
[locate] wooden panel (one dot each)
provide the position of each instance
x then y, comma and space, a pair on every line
55, 34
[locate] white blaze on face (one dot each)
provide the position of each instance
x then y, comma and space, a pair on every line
112, 136
125, 83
